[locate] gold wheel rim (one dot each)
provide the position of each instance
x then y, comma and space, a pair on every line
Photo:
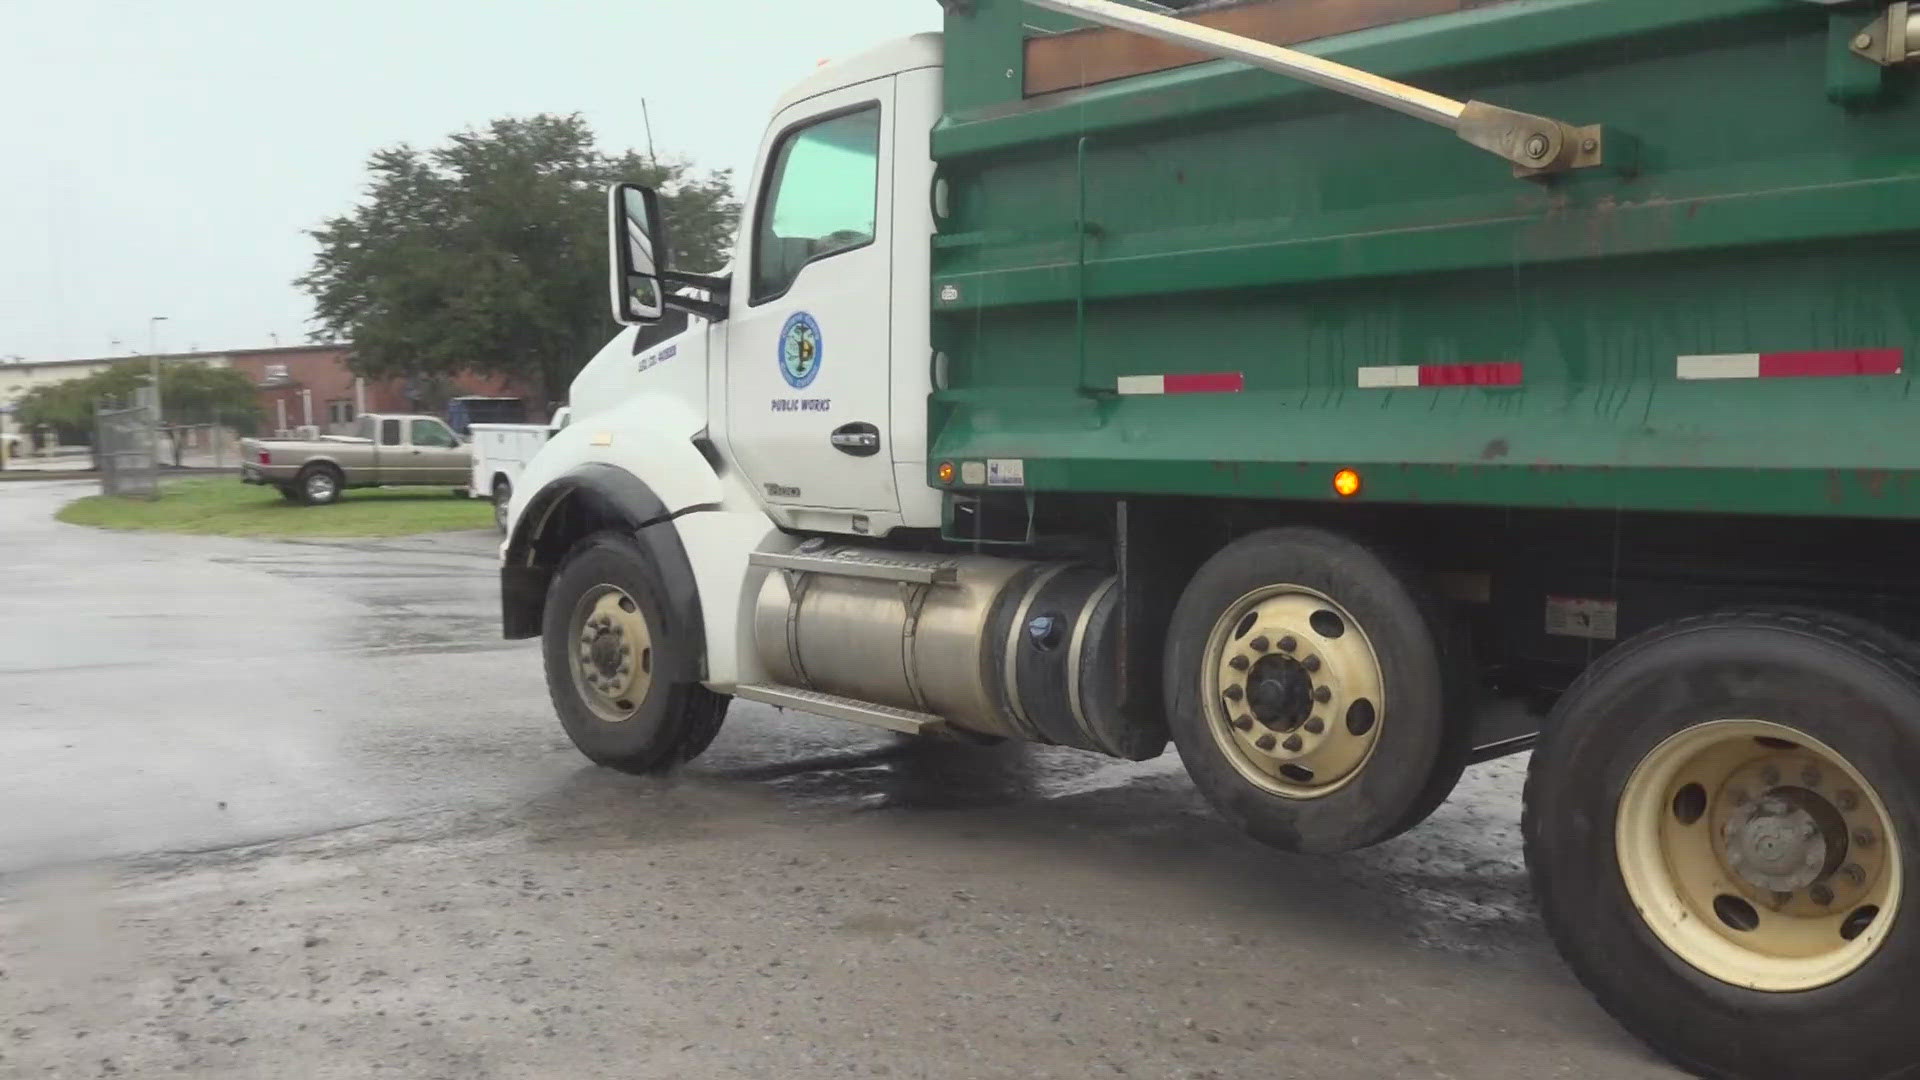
1293, 691
1759, 855
612, 654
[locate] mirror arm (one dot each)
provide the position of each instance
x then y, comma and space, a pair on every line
714, 310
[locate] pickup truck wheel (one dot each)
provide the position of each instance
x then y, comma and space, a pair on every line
1721, 826
1315, 694
623, 677
502, 496
318, 485
289, 492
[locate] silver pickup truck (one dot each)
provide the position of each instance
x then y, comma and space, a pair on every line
383, 451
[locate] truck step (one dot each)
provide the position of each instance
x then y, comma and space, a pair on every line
904, 721
913, 569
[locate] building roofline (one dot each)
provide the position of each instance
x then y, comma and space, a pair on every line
278, 350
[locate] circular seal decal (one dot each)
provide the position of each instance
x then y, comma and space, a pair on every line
800, 350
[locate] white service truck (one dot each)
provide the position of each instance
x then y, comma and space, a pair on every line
500, 453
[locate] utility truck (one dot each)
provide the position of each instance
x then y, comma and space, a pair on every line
1345, 392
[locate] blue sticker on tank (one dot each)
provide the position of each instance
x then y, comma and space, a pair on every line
801, 350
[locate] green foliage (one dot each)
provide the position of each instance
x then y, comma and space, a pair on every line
488, 254
190, 393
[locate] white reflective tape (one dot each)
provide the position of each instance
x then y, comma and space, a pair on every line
1726, 366
1143, 384
1380, 378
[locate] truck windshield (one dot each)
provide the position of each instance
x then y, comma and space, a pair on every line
826, 183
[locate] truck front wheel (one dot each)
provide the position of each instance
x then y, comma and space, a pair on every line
622, 675
1721, 824
1319, 699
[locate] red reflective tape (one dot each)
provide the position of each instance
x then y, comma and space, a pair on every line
1497, 374
1229, 382
1806, 365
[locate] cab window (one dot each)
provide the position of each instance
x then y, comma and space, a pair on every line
389, 433
823, 198
432, 433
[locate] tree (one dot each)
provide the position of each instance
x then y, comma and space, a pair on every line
488, 254
190, 394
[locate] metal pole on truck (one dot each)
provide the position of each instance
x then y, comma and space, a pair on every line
1534, 144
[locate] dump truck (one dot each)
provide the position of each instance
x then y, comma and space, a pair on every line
1343, 393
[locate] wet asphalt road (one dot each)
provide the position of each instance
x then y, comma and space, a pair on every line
293, 809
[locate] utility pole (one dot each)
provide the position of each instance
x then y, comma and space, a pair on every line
153, 363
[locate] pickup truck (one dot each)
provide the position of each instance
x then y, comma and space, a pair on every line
384, 451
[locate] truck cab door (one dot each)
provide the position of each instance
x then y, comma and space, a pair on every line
809, 342
437, 454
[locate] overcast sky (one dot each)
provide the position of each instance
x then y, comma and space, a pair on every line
161, 157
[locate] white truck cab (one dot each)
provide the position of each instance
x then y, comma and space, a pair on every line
802, 407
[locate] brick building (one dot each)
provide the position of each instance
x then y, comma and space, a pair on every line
299, 384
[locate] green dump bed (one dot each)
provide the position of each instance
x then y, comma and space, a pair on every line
1158, 275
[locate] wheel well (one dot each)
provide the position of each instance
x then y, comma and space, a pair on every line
498, 479
321, 463
596, 498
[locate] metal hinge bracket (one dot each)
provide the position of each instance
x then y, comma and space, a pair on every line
1893, 38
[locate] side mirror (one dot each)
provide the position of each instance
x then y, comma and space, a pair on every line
637, 251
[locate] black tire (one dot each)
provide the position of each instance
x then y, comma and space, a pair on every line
1847, 684
502, 495
312, 493
678, 718
1425, 735
289, 492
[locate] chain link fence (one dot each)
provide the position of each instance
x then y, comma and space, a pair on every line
124, 442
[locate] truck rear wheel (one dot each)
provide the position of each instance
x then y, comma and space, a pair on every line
623, 677
1315, 694
1721, 825
319, 485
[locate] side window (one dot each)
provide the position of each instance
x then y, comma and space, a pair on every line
822, 200
432, 433
389, 433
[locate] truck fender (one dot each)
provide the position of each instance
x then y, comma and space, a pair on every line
591, 497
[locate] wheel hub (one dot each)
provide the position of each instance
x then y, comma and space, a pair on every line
613, 663
1779, 845
1760, 856
1280, 693
1296, 691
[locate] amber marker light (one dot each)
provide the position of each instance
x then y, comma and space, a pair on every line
946, 472
1346, 483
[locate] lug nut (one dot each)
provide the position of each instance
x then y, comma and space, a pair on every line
1848, 801
1234, 693
1316, 725
1322, 695
1864, 837
1264, 742
1810, 776
1311, 663
1243, 723
1287, 644
1258, 644
1770, 776
1854, 873
1821, 895
1238, 663
1294, 742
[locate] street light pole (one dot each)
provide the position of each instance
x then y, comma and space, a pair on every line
153, 364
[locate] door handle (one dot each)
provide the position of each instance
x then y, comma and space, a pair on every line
858, 439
